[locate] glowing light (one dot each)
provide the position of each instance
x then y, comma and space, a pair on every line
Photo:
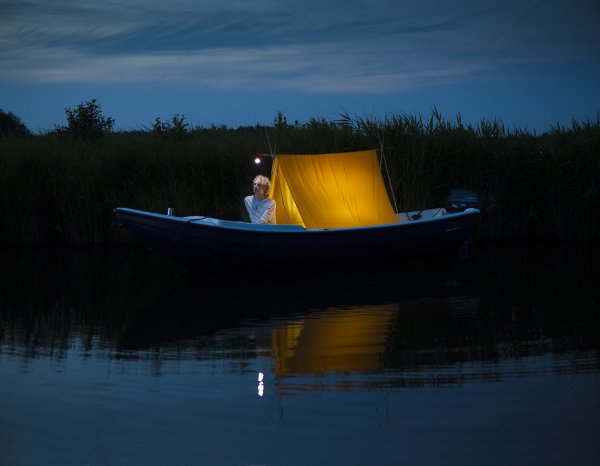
261, 376
257, 160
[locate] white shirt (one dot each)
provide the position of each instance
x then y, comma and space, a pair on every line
260, 211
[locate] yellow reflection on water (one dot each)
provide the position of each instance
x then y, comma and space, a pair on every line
349, 340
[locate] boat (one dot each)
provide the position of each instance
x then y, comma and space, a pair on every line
331, 208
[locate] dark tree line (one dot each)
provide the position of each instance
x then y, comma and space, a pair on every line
84, 122
11, 124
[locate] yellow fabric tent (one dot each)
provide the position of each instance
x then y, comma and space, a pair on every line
342, 190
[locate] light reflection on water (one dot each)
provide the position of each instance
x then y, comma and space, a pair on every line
116, 357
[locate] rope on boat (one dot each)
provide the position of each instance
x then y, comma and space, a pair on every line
272, 150
382, 150
417, 216
287, 220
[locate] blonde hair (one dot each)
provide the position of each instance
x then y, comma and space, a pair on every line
264, 182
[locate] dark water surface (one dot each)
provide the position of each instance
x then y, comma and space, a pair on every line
116, 357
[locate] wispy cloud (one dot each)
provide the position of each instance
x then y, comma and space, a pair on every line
339, 46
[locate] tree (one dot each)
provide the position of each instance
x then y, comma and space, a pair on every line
86, 121
11, 124
280, 121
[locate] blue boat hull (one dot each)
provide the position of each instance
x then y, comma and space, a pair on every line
201, 241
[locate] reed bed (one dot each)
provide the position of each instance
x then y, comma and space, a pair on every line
60, 190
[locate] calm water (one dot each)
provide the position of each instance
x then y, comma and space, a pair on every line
116, 357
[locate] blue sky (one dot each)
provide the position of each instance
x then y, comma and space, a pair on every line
528, 63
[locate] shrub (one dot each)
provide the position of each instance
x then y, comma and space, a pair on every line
177, 128
87, 123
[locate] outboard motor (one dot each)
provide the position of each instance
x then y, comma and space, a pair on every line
461, 199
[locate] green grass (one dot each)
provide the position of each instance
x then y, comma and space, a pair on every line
58, 190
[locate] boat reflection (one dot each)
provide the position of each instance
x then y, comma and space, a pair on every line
309, 323
428, 321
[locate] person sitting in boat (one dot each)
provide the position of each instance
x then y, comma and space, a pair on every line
260, 206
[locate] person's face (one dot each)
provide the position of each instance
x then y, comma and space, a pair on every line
259, 189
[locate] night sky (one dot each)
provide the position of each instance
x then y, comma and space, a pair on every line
530, 64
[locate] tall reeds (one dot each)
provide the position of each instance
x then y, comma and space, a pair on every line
58, 189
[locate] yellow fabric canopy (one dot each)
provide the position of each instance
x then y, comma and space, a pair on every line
341, 190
